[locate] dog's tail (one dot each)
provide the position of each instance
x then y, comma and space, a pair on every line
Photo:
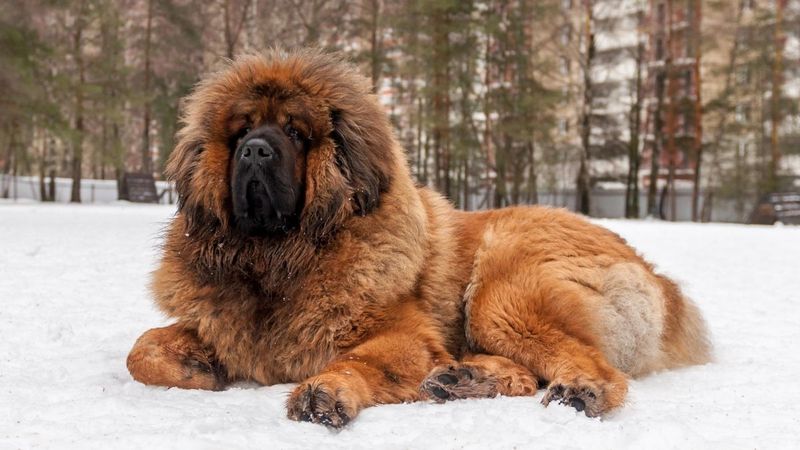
685, 338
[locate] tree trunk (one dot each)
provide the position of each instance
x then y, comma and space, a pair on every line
516, 180
6, 184
488, 137
42, 187
376, 46
15, 173
233, 26
118, 160
103, 149
52, 187
500, 193
467, 201
658, 144
775, 99
583, 183
698, 108
147, 165
533, 192
441, 102
672, 117
763, 149
634, 158
421, 174
427, 148
77, 140
43, 169
226, 20
721, 126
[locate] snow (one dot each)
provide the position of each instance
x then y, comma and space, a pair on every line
74, 298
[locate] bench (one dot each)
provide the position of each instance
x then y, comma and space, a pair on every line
775, 207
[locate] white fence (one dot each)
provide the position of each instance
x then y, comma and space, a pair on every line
608, 203
92, 191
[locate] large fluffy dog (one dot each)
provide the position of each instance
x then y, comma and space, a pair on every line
303, 252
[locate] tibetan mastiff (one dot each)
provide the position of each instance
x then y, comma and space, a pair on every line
303, 252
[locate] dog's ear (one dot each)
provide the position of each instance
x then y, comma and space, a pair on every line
182, 165
184, 162
362, 156
345, 177
326, 197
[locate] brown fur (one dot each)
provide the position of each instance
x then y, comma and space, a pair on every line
385, 286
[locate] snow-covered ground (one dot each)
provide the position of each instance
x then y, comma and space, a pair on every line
73, 300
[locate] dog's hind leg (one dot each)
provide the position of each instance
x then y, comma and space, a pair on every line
479, 376
539, 323
174, 357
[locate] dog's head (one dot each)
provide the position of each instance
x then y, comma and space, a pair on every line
279, 143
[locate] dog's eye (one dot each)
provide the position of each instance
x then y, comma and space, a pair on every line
242, 133
292, 132
235, 139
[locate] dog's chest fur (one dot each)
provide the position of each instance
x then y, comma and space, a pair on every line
264, 320
277, 340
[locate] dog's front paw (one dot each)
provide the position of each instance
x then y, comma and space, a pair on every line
326, 400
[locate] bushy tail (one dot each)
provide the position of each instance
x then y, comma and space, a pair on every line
685, 339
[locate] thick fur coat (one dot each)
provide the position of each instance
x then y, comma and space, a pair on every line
381, 292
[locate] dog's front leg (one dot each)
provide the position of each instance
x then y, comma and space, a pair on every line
387, 367
173, 356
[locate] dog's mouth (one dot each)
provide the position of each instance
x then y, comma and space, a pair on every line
259, 208
255, 211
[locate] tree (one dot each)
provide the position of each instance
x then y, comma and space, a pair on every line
79, 25
26, 91
722, 105
147, 160
672, 115
635, 123
234, 16
776, 115
583, 182
113, 76
519, 106
170, 37
696, 37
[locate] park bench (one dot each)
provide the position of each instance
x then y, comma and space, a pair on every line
783, 207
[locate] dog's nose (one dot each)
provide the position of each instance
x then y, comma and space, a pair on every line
257, 150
